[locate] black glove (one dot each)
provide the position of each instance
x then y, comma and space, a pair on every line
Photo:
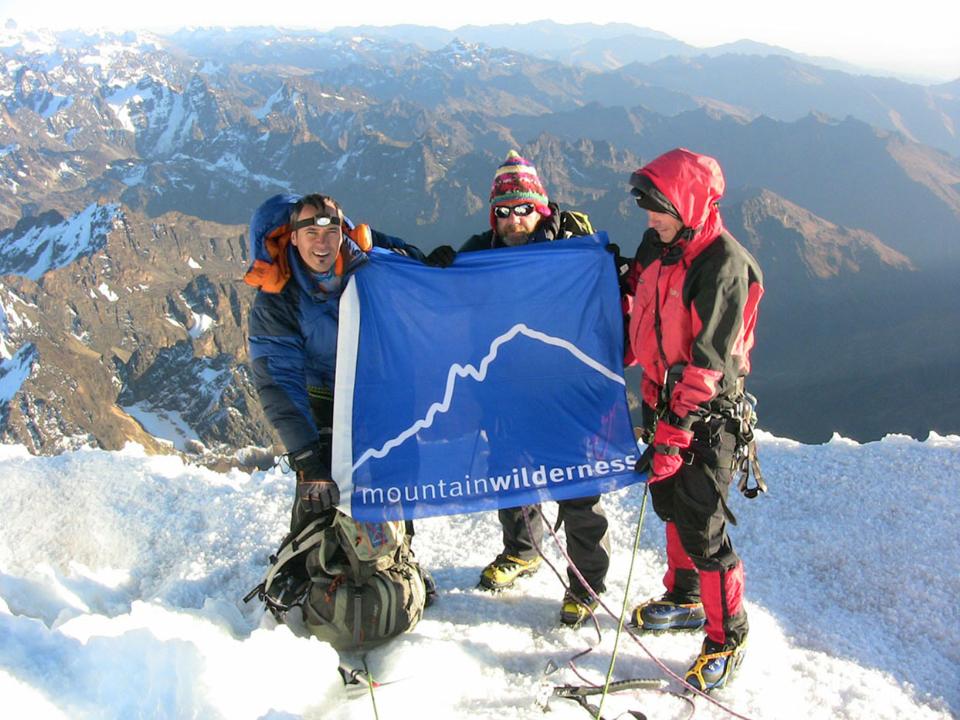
442, 256
619, 262
645, 461
648, 419
315, 490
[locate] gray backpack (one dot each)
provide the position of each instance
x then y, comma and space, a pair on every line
356, 583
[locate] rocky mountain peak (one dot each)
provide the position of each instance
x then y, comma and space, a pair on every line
827, 250
129, 168
142, 336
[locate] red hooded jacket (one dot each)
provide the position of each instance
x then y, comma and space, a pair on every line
694, 300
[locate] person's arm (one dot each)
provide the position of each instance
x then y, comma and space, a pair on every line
724, 297
277, 363
442, 256
398, 245
646, 254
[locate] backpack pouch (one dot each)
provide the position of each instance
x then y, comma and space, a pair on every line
350, 615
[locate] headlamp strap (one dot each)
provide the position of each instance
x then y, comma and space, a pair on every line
320, 220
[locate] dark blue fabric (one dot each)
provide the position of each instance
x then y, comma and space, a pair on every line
293, 345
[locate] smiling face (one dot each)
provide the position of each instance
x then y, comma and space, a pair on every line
318, 246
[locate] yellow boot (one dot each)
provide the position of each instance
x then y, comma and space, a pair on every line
504, 571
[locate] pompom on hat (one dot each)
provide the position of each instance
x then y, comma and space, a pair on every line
516, 182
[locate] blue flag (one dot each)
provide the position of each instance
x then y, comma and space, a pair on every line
493, 383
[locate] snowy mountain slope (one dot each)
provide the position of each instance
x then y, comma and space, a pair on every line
107, 310
210, 122
121, 577
57, 242
15, 369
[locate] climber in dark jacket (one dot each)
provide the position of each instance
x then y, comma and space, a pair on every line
305, 249
521, 214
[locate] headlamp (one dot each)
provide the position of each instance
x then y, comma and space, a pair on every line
319, 220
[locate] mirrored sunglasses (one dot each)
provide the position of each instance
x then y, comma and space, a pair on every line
318, 220
504, 211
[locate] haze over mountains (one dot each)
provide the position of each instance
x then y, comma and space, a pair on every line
130, 165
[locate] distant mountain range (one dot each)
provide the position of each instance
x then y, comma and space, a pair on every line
130, 164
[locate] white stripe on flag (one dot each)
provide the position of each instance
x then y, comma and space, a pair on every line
348, 335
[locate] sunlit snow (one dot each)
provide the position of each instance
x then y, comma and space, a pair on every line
121, 577
107, 292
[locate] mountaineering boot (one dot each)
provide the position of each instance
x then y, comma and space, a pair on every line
715, 665
576, 609
670, 612
503, 572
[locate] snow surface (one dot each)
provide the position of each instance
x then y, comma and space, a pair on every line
107, 292
121, 576
124, 99
267, 107
201, 323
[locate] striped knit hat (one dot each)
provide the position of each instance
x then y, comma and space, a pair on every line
516, 182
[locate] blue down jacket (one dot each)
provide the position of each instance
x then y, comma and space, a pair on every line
293, 341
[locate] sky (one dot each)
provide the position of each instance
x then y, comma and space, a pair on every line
921, 41
122, 577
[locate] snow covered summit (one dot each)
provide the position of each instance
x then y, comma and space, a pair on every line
121, 576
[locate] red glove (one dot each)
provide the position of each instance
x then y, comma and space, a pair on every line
668, 442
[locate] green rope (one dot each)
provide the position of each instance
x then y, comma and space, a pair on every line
370, 684
623, 610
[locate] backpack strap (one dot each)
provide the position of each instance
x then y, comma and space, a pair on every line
294, 545
574, 222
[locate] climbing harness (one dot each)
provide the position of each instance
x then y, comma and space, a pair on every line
745, 456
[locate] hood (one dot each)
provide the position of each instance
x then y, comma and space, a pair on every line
269, 236
694, 184
273, 263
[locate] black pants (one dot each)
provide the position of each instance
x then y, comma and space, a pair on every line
587, 542
701, 560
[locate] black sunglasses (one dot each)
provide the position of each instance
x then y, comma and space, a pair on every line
504, 211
